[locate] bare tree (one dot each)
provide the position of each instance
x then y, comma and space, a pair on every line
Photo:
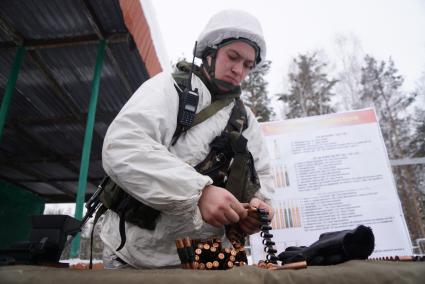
349, 57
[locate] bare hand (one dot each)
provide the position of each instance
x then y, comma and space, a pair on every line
251, 224
219, 207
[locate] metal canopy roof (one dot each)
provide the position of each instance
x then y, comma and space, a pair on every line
40, 149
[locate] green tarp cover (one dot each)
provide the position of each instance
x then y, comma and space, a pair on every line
349, 272
16, 207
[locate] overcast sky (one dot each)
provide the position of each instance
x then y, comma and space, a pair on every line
384, 28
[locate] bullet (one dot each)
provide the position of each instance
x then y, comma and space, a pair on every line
265, 228
270, 250
268, 242
272, 258
266, 235
209, 265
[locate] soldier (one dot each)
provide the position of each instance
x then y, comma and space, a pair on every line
183, 178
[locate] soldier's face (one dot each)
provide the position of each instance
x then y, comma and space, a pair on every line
234, 61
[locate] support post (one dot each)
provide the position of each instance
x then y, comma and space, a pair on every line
85, 157
10, 87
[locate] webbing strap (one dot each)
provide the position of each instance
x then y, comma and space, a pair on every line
122, 231
102, 209
211, 110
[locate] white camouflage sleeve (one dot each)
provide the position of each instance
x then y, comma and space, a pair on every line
135, 153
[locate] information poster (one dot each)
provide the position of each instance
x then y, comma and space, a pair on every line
332, 173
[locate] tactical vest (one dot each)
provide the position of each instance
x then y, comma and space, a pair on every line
229, 164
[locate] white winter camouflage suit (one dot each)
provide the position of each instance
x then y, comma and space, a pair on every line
138, 156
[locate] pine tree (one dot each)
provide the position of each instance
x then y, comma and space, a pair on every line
381, 88
417, 144
254, 92
310, 89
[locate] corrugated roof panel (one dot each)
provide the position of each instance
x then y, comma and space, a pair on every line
72, 186
109, 15
42, 188
12, 173
133, 65
112, 93
96, 169
33, 86
64, 139
73, 68
46, 19
4, 37
44, 132
53, 170
102, 126
6, 60
20, 106
15, 145
91, 188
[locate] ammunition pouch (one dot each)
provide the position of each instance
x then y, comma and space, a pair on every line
127, 207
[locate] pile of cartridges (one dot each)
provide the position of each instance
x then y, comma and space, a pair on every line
209, 254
